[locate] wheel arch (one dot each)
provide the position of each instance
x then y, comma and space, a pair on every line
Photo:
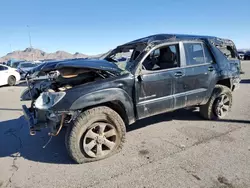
225, 82
116, 99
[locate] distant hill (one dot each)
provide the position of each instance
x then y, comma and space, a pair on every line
30, 54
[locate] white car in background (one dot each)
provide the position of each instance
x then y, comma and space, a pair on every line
8, 75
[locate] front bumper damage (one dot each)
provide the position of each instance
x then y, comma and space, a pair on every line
39, 119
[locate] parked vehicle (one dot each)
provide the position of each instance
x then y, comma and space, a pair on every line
247, 55
24, 67
241, 55
97, 99
8, 75
13, 63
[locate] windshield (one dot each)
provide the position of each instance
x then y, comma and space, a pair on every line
26, 65
124, 57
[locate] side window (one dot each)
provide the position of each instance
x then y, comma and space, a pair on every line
208, 56
3, 68
194, 53
228, 51
166, 57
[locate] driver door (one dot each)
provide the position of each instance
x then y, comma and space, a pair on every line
155, 88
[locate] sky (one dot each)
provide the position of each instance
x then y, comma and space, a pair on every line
96, 26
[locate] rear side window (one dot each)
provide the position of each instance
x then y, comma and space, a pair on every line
208, 55
3, 68
194, 53
228, 51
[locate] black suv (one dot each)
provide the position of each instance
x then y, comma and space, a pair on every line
97, 98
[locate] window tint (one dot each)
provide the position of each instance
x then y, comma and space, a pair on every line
208, 55
166, 57
3, 68
194, 53
173, 49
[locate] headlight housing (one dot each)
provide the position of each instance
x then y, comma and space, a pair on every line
48, 99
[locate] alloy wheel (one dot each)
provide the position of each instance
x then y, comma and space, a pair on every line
100, 140
222, 106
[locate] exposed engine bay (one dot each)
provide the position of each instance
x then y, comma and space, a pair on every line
45, 93
61, 80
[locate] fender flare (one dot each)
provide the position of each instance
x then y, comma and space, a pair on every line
104, 96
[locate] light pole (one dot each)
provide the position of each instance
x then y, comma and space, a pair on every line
30, 41
29, 35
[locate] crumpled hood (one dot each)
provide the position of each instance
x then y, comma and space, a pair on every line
94, 64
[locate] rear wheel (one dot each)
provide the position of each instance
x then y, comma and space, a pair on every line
96, 134
218, 105
11, 80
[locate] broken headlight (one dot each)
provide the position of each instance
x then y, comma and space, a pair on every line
48, 99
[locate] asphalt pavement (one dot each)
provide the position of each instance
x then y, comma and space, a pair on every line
177, 149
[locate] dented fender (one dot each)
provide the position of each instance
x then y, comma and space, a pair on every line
106, 95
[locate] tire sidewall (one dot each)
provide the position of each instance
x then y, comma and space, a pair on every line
84, 123
217, 93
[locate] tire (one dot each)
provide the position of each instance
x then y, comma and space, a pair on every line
209, 110
11, 80
86, 124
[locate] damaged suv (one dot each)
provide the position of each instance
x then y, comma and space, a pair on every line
97, 98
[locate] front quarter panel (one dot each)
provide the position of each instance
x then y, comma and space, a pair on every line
103, 96
99, 92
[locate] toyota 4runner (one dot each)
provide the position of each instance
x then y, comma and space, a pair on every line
97, 98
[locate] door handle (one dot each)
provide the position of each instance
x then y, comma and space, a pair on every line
178, 74
211, 68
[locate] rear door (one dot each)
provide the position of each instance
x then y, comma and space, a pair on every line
199, 71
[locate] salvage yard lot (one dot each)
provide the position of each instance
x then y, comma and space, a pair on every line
177, 149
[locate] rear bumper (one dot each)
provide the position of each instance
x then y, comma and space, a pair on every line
235, 83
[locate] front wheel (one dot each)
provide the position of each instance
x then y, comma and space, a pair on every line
218, 105
96, 134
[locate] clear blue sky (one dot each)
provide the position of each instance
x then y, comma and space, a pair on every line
94, 27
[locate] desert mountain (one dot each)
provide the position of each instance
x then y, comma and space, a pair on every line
30, 54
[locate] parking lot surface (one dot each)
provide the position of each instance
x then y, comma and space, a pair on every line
177, 149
